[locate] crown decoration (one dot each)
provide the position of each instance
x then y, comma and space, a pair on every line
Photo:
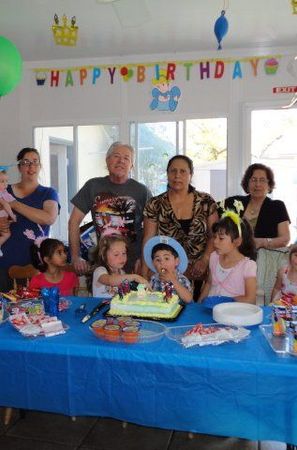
234, 216
294, 6
65, 34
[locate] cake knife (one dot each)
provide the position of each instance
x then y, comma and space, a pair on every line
95, 310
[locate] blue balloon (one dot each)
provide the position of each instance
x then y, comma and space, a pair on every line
221, 28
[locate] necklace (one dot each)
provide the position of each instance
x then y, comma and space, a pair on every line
254, 209
254, 212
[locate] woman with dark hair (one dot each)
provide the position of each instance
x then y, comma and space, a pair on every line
36, 208
185, 214
268, 218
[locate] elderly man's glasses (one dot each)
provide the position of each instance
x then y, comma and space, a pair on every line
28, 163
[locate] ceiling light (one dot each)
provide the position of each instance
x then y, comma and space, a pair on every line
106, 1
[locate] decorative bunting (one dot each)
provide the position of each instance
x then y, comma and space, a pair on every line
212, 68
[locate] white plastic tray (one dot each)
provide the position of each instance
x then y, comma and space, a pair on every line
33, 329
279, 344
237, 334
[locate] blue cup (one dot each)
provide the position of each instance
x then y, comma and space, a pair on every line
51, 298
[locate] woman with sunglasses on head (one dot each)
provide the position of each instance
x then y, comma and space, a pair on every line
268, 218
36, 208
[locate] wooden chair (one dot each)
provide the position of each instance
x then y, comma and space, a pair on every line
22, 274
268, 263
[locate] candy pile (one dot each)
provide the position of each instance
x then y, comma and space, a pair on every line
286, 300
120, 329
36, 324
284, 325
22, 293
280, 319
3, 312
64, 304
212, 335
33, 306
28, 307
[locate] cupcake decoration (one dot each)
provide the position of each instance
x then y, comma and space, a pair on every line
271, 66
40, 78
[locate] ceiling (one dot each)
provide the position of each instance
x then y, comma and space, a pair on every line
137, 27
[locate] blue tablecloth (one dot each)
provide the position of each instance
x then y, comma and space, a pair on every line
243, 390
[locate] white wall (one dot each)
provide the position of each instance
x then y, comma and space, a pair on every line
30, 105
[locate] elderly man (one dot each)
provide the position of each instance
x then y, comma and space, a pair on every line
116, 203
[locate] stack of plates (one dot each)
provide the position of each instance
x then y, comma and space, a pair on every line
211, 302
240, 314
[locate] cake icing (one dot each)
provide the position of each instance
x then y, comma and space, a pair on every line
148, 304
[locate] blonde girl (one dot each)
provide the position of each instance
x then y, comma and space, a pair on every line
111, 260
286, 281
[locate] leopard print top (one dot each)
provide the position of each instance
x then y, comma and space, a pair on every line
159, 210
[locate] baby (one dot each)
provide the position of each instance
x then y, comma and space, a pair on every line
6, 211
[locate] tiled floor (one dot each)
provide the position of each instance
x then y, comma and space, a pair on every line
42, 431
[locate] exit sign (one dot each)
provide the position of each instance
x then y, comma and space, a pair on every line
284, 90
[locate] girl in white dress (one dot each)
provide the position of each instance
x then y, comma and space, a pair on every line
285, 287
112, 258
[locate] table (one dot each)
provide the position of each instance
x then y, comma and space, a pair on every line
242, 390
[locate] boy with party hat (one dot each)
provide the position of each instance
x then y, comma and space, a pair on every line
168, 260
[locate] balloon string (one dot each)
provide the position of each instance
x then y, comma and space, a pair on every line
226, 5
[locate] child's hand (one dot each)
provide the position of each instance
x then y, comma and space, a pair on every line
141, 280
166, 275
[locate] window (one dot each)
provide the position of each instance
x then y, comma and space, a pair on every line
273, 143
206, 145
155, 144
203, 140
66, 169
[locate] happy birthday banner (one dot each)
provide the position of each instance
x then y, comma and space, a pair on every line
206, 69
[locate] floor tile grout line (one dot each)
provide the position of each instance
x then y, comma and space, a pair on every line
37, 440
91, 429
170, 440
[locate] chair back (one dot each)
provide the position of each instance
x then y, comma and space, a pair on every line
268, 263
22, 274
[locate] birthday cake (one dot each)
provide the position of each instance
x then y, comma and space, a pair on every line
146, 304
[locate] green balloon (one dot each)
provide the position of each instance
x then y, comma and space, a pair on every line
10, 66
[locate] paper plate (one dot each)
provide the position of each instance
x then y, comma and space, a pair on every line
237, 313
210, 302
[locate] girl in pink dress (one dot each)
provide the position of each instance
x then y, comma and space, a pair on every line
49, 256
232, 272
